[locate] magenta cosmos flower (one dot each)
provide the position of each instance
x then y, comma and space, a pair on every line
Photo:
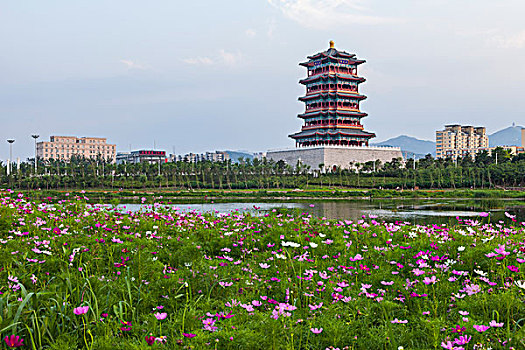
80, 310
150, 340
14, 341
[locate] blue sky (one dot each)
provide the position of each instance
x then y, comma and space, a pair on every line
205, 75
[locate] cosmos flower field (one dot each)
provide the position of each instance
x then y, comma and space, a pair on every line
77, 275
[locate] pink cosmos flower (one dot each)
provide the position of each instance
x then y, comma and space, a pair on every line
80, 310
448, 345
462, 340
160, 316
316, 330
431, 280
398, 321
493, 323
481, 328
501, 250
483, 214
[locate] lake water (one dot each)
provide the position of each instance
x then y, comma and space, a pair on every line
412, 210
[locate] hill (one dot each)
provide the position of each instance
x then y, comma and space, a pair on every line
409, 144
510, 136
235, 155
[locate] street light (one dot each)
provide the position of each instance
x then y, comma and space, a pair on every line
35, 136
10, 141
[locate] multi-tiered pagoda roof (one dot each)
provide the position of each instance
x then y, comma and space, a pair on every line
332, 115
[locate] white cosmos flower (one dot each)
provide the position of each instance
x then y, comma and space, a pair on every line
313, 245
461, 248
484, 240
290, 244
481, 273
520, 284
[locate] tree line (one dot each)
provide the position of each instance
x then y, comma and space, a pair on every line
498, 170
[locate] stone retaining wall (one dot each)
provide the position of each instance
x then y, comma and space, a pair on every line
338, 156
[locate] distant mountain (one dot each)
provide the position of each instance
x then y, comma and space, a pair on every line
235, 155
410, 145
510, 136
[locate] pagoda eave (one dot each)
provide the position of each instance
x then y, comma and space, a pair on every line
334, 59
329, 76
337, 132
332, 95
334, 113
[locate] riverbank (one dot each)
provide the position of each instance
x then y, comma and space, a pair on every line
313, 194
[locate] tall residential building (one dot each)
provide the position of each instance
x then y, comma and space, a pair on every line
459, 141
523, 137
65, 147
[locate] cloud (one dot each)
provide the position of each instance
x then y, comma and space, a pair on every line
133, 65
328, 14
222, 57
230, 58
204, 61
250, 33
494, 38
516, 41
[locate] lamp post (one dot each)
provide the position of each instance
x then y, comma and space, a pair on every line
35, 136
10, 141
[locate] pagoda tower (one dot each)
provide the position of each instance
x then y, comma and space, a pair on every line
332, 116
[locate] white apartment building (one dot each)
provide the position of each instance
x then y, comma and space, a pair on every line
459, 141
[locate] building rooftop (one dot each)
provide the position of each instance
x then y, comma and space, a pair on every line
333, 53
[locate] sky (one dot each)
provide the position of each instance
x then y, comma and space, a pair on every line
195, 76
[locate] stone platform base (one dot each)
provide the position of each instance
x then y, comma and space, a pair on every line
332, 156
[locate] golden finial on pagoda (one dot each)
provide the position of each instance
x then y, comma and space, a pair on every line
332, 44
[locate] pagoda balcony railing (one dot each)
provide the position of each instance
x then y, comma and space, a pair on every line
354, 108
332, 70
331, 88
311, 125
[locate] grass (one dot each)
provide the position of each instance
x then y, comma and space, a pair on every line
269, 281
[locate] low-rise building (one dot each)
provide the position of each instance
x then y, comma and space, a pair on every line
141, 156
217, 156
513, 150
65, 147
460, 141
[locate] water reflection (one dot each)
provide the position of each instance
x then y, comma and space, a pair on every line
413, 210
